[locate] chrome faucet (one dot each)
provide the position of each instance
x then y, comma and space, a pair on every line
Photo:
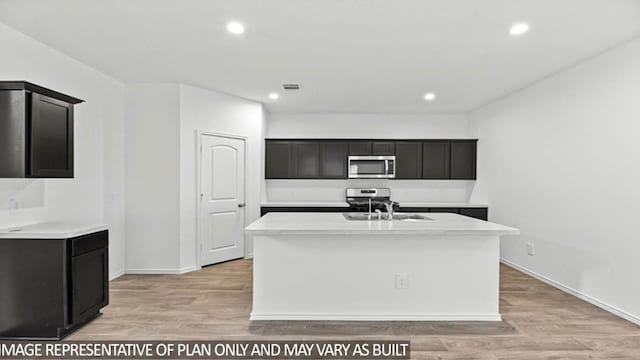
389, 205
379, 213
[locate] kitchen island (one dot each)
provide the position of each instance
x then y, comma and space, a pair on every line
322, 266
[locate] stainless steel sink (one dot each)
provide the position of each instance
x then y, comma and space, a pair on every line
364, 216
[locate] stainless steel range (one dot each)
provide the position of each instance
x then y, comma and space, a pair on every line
368, 199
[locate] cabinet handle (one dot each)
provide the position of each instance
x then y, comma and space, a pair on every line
241, 205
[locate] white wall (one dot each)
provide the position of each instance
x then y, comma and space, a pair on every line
162, 120
96, 194
204, 110
391, 126
559, 160
152, 178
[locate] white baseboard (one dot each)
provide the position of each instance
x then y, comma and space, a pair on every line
249, 256
569, 290
376, 317
183, 270
116, 275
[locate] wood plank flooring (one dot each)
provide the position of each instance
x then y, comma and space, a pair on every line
540, 322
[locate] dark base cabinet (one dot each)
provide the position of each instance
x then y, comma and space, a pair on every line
51, 287
267, 209
478, 213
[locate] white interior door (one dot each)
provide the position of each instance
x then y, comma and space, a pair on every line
222, 203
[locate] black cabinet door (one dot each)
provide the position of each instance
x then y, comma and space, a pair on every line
333, 160
444, 210
51, 139
306, 159
463, 159
408, 160
478, 213
383, 148
278, 160
89, 284
435, 160
360, 148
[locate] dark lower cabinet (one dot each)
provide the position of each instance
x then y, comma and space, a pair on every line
463, 159
444, 210
408, 159
330, 209
36, 131
51, 287
333, 160
478, 213
435, 159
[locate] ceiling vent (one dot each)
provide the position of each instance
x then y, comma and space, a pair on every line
289, 87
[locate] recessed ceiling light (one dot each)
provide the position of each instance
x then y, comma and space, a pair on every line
518, 29
429, 96
235, 28
274, 96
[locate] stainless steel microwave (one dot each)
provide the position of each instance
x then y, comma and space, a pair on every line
372, 167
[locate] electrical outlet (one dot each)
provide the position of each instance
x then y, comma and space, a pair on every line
531, 250
15, 206
402, 281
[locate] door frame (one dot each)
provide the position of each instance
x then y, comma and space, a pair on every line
199, 134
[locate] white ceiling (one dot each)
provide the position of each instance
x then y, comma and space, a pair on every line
372, 56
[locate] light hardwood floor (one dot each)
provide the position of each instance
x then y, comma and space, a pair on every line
540, 322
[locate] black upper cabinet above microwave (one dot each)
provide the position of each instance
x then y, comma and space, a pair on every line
36, 131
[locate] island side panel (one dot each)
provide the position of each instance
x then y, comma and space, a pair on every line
352, 277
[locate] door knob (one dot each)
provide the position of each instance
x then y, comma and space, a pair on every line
241, 205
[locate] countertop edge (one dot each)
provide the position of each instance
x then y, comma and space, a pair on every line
50, 235
379, 232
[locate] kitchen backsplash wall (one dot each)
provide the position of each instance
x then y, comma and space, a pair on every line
401, 190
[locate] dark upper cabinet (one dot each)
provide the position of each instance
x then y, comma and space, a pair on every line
278, 164
408, 159
306, 159
463, 159
360, 148
321, 158
382, 148
36, 131
333, 160
51, 137
435, 159
365, 148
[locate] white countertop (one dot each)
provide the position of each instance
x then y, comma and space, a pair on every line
287, 223
50, 230
344, 204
